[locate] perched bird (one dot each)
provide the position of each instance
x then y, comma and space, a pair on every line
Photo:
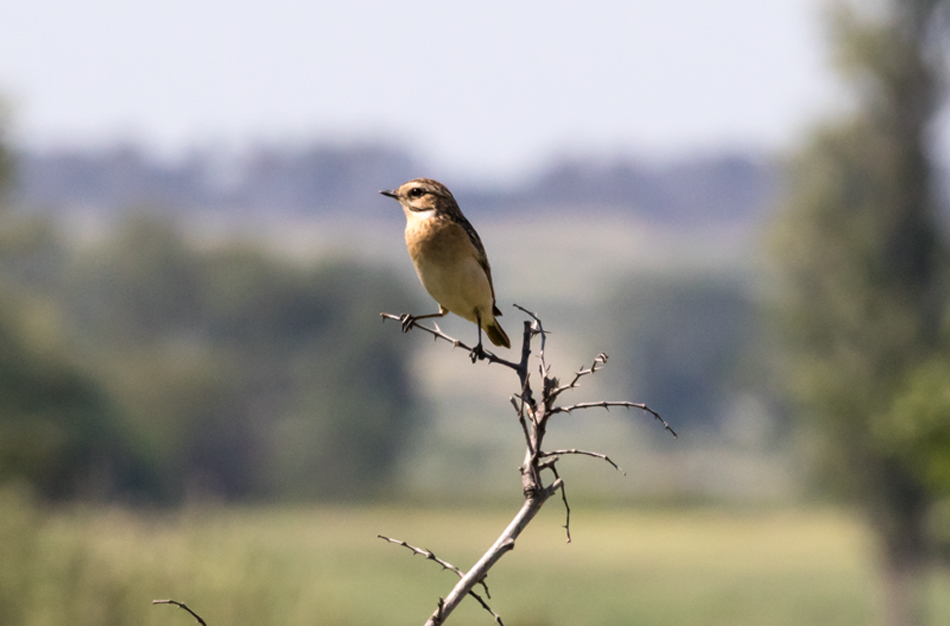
449, 258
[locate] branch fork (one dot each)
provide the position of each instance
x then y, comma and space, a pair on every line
533, 415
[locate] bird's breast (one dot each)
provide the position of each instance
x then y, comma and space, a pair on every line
434, 240
448, 267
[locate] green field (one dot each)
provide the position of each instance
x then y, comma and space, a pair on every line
324, 565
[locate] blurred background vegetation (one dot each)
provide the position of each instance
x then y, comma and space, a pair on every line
198, 398
143, 367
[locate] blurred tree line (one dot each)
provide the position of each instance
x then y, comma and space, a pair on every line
142, 366
693, 343
866, 309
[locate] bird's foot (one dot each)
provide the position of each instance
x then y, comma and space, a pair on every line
478, 353
408, 321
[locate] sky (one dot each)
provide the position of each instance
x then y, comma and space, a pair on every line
491, 89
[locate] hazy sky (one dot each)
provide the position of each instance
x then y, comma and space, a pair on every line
489, 88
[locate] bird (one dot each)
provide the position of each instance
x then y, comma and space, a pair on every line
449, 259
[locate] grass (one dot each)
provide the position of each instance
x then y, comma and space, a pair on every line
324, 565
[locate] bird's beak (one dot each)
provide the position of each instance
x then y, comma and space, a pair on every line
389, 193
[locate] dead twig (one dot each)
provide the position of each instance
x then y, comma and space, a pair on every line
181, 605
599, 362
533, 415
606, 404
504, 543
555, 453
448, 566
432, 557
437, 333
567, 510
426, 553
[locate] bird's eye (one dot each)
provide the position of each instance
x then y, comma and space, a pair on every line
416, 192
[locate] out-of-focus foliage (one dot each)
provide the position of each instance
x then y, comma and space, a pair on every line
918, 427
688, 344
241, 374
862, 257
144, 365
864, 284
19, 544
58, 430
299, 566
139, 364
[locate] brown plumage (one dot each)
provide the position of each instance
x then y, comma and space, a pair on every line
449, 256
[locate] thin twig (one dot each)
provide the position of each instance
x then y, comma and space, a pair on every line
598, 455
538, 329
514, 402
533, 416
521, 418
432, 557
567, 507
599, 362
606, 404
181, 605
524, 377
504, 544
436, 332
567, 512
426, 553
485, 606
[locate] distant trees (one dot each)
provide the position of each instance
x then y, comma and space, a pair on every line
865, 296
313, 179
58, 431
241, 374
6, 159
143, 366
719, 188
688, 342
323, 179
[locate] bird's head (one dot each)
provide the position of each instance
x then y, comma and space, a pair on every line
421, 195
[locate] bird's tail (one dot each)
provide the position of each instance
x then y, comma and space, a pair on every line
497, 334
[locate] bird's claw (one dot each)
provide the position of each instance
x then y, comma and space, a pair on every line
478, 353
407, 321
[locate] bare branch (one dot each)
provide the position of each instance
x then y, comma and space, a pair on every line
485, 606
437, 333
537, 329
181, 605
522, 420
504, 543
559, 484
533, 415
606, 404
427, 554
448, 566
567, 510
599, 362
555, 453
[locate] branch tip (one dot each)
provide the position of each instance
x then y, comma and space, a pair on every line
606, 404
598, 455
533, 415
183, 606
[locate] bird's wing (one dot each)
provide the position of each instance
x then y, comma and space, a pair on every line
479, 253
